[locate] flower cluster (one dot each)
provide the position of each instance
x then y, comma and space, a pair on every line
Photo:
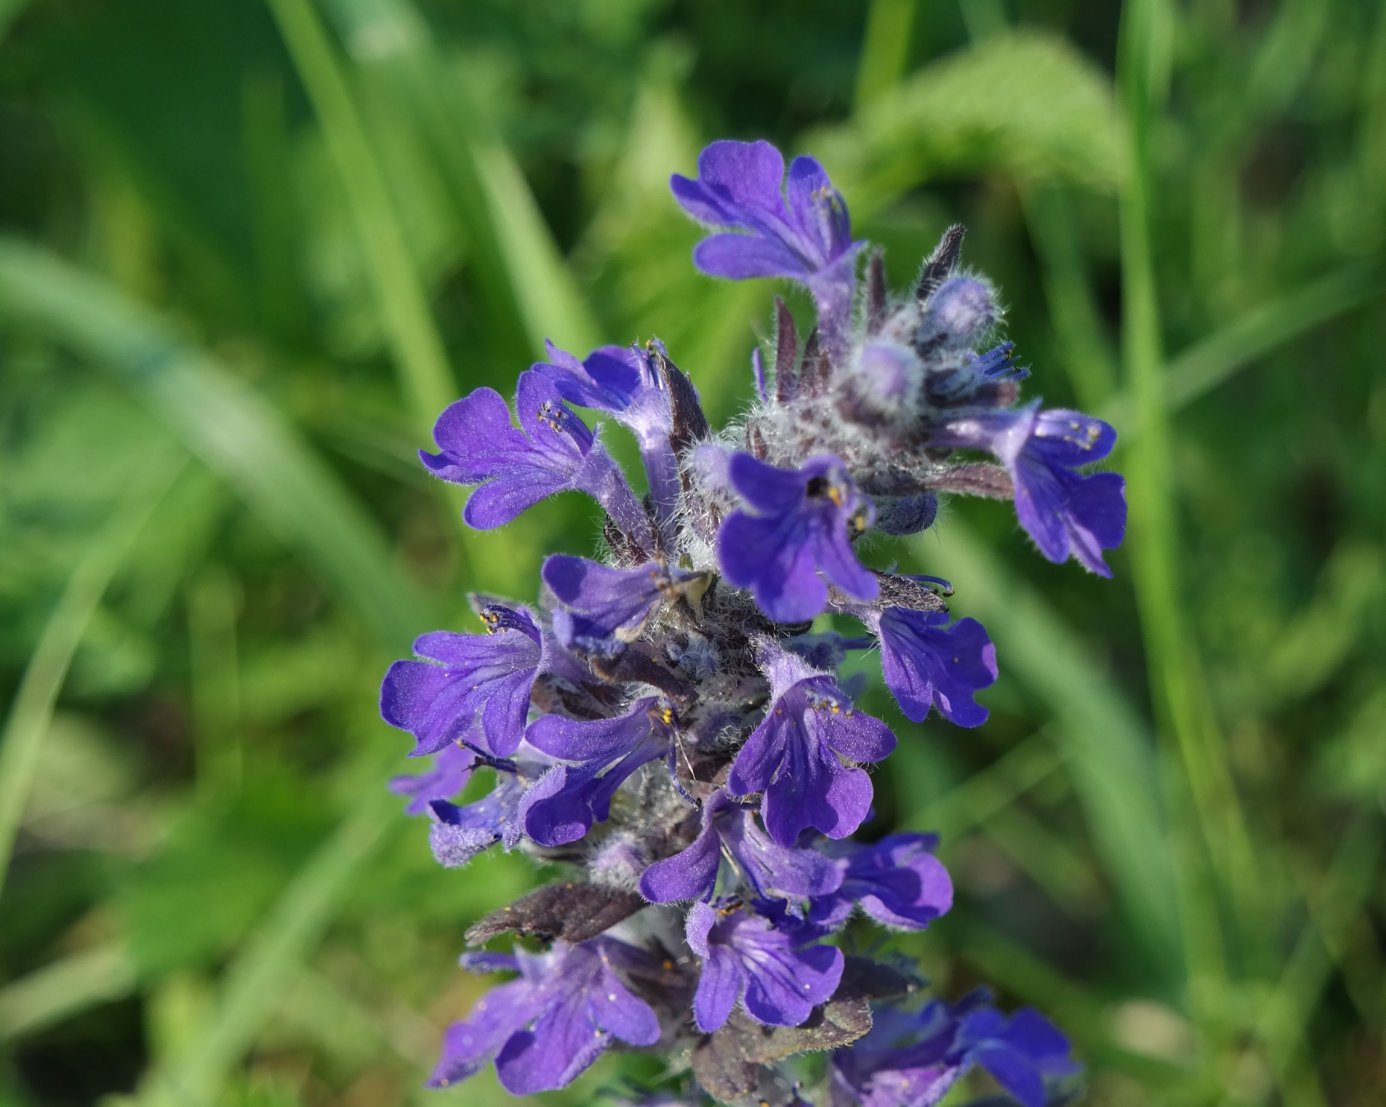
667, 722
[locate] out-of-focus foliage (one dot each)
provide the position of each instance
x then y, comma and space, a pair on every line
249, 250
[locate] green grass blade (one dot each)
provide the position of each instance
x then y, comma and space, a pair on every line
1106, 748
34, 702
1082, 342
255, 981
10, 10
1250, 337
514, 257
1337, 903
1022, 103
1206, 364
885, 50
1182, 707
413, 336
57, 991
230, 427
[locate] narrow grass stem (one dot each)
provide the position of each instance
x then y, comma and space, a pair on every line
1180, 699
418, 350
885, 51
34, 702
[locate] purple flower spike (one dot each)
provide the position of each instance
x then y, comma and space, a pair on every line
547, 1027
769, 868
478, 689
452, 768
564, 803
799, 523
744, 954
1065, 512
803, 233
928, 663
897, 881
552, 451
796, 756
606, 607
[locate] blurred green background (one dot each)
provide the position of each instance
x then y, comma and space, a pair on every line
249, 250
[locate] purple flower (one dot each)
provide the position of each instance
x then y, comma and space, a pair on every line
799, 522
1019, 1052
1064, 511
604, 607
897, 881
691, 642
612, 379
564, 803
622, 381
795, 756
803, 233
912, 1060
480, 682
769, 868
459, 833
928, 663
452, 768
550, 1024
744, 954
551, 452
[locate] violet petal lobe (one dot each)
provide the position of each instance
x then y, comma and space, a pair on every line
770, 868
608, 379
1064, 511
611, 605
578, 1005
796, 227
564, 803
720, 985
689, 874
782, 979
466, 680
927, 664
514, 469
460, 832
798, 523
794, 757
452, 768
897, 881
471, 1043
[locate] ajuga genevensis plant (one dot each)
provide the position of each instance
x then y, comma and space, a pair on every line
667, 723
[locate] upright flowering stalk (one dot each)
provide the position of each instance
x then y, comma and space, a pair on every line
667, 724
